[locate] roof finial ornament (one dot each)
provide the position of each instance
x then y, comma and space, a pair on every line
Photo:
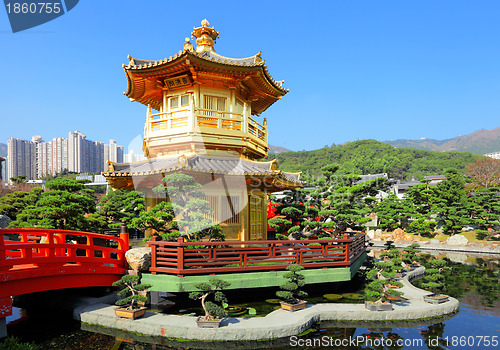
188, 46
205, 37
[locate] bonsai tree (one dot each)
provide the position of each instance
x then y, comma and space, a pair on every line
213, 310
410, 253
433, 277
130, 291
383, 274
378, 290
291, 292
392, 260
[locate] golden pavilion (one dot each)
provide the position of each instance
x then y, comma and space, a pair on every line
201, 120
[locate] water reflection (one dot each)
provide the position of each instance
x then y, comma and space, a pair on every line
474, 281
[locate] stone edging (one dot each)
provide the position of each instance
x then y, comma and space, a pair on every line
467, 249
277, 324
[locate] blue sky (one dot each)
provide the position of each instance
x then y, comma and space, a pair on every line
356, 69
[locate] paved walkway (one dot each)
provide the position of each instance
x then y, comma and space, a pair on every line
470, 248
277, 324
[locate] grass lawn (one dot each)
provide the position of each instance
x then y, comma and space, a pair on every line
470, 235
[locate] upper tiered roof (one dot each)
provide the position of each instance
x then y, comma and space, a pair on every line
147, 78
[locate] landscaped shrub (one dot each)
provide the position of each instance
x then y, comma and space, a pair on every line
213, 309
291, 292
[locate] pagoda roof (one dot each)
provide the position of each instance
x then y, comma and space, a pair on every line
204, 164
143, 76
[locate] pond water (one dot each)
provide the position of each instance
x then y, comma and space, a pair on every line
474, 281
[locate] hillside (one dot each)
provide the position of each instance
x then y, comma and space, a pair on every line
479, 142
371, 157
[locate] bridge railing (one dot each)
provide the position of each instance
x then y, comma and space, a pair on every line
49, 247
187, 258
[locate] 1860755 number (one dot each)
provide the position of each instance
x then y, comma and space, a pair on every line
33, 7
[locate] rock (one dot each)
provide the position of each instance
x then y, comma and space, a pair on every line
457, 257
399, 234
4, 221
457, 240
417, 238
139, 259
387, 237
435, 241
370, 234
408, 237
378, 234
469, 228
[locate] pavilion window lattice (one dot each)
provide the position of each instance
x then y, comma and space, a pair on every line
212, 104
221, 212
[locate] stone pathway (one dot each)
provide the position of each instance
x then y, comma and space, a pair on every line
277, 324
478, 248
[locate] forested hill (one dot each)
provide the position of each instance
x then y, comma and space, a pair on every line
372, 157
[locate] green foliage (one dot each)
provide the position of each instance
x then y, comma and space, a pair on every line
383, 273
433, 279
373, 157
213, 309
447, 206
12, 204
343, 203
129, 294
185, 210
392, 213
160, 219
116, 206
291, 291
13, 343
280, 225
63, 206
409, 254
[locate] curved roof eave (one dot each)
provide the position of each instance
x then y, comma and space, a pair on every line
147, 64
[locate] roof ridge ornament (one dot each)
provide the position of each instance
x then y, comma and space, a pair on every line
188, 46
205, 37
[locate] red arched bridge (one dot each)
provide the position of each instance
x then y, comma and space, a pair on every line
36, 260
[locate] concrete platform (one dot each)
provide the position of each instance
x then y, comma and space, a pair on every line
277, 324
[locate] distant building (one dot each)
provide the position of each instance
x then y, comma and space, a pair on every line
36, 158
131, 157
435, 179
401, 188
494, 155
371, 177
113, 153
1, 168
21, 156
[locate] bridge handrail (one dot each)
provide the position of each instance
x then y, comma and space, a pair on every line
52, 247
186, 258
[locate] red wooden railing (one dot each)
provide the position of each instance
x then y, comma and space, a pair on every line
187, 258
58, 259
48, 246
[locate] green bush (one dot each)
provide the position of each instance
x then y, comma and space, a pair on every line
12, 343
291, 292
213, 309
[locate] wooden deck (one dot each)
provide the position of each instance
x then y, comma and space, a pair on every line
193, 258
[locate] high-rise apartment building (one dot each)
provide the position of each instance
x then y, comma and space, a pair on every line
36, 158
2, 169
113, 152
21, 156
